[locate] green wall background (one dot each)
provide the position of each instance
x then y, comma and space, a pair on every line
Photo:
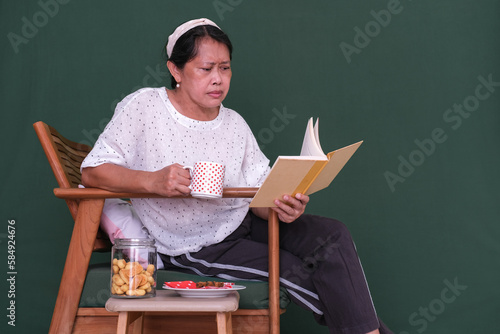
411, 85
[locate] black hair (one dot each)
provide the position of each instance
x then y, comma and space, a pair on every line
186, 47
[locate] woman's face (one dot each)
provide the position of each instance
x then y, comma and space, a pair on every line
206, 78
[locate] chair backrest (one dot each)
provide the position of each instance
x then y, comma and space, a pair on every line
65, 158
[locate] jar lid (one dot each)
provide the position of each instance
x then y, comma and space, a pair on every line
134, 242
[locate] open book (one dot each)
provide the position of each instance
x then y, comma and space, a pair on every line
308, 173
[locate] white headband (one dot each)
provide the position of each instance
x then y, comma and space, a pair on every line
183, 28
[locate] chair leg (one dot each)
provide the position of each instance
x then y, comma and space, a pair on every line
274, 274
75, 269
224, 323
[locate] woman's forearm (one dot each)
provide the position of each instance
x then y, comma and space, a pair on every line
169, 181
115, 178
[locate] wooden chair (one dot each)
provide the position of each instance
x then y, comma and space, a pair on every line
85, 205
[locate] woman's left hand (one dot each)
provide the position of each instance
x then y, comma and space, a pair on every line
290, 208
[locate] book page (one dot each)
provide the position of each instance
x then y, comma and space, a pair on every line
316, 135
310, 145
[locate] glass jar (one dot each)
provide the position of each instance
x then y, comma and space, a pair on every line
133, 268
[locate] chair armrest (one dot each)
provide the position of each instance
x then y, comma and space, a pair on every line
95, 193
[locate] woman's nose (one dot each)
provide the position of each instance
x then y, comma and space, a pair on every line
217, 77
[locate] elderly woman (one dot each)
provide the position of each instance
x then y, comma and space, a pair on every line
156, 131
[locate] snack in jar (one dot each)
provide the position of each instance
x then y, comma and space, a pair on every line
133, 268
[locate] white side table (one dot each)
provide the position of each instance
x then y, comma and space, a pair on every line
130, 310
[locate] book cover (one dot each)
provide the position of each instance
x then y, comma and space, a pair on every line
308, 173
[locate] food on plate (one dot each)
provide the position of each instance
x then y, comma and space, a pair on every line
199, 285
208, 284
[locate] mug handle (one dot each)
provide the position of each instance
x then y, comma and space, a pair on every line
190, 169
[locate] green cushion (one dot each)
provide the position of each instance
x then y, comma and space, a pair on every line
96, 289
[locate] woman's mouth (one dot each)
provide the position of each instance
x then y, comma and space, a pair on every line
215, 94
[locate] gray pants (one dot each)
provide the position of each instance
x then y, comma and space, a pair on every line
319, 267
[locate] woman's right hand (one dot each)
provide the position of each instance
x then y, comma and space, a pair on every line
170, 181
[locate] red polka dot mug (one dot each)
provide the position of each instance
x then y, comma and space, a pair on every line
207, 179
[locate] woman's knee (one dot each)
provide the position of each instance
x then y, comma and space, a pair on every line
325, 226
